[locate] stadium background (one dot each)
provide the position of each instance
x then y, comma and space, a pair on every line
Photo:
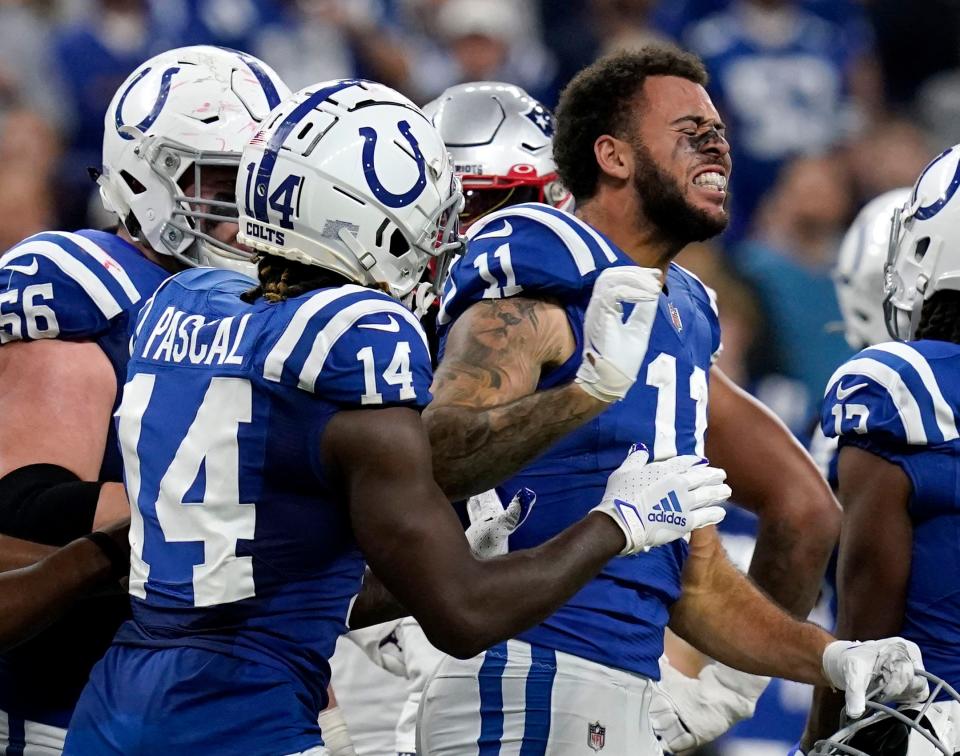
828, 103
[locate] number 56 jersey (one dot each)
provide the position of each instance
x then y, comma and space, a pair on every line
241, 540
533, 250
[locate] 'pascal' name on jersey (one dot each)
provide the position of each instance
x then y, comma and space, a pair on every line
243, 561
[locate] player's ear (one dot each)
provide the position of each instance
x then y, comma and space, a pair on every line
614, 157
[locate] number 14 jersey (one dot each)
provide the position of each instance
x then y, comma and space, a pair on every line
241, 539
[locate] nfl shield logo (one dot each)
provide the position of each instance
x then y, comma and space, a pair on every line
675, 317
596, 736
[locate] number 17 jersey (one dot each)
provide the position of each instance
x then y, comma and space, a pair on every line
243, 562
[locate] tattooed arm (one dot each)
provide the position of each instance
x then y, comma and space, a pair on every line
487, 419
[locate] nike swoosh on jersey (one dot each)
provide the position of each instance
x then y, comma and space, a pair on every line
507, 230
27, 270
843, 393
392, 327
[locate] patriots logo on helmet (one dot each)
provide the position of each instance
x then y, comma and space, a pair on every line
540, 117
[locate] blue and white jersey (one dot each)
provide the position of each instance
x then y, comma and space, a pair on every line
536, 251
900, 401
241, 542
83, 286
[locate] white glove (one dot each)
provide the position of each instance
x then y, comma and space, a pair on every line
660, 502
491, 524
886, 666
687, 712
333, 730
615, 337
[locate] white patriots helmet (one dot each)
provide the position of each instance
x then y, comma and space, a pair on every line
928, 729
350, 175
180, 111
858, 275
924, 251
501, 142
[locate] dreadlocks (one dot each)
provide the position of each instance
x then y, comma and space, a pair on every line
282, 279
940, 317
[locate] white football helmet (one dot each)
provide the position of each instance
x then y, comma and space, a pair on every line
924, 252
180, 111
351, 176
501, 142
858, 275
928, 729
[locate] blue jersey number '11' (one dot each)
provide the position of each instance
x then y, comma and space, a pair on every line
219, 521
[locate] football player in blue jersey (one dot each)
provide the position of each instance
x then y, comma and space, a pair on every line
894, 407
271, 433
172, 141
500, 140
643, 152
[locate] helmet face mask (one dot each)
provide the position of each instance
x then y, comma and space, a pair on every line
178, 115
349, 175
927, 729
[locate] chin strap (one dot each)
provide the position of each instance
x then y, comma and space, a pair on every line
421, 299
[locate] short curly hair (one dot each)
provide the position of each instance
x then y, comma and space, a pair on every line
598, 101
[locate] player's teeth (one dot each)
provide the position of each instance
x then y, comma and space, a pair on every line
711, 178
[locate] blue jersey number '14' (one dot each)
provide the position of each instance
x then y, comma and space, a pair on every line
220, 520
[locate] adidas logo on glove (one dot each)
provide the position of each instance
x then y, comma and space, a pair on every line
668, 511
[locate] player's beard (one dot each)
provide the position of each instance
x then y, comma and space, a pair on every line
664, 205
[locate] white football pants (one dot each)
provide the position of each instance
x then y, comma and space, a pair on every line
30, 738
523, 700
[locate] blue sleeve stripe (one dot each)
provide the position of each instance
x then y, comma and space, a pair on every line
71, 267
278, 356
340, 323
943, 412
585, 228
103, 257
577, 247
903, 400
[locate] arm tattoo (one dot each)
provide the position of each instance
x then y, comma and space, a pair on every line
488, 420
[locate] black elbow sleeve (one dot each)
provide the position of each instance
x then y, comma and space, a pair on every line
47, 504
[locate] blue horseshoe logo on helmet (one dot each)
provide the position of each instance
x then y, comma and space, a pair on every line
387, 197
926, 213
161, 100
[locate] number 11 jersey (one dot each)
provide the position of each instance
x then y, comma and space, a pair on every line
533, 250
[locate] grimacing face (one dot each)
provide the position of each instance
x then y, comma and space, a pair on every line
682, 159
217, 182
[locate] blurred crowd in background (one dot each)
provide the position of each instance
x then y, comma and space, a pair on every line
828, 103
